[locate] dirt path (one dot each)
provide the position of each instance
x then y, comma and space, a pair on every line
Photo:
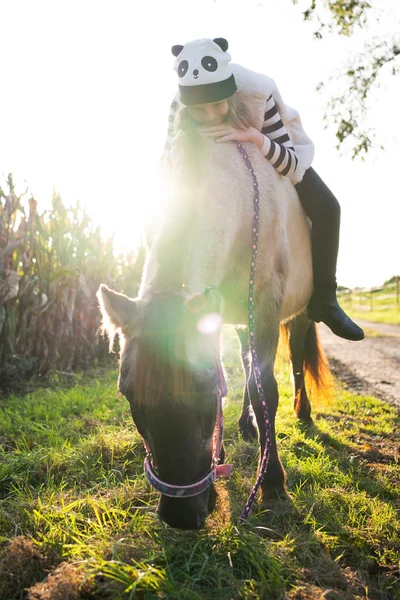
369, 367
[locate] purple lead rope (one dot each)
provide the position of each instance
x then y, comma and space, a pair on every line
217, 470
254, 357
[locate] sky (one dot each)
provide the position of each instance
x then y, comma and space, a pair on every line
85, 92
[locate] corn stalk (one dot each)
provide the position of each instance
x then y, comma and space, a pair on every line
51, 265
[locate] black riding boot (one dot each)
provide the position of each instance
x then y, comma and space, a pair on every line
324, 307
323, 210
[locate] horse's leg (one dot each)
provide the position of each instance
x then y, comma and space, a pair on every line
246, 424
296, 331
266, 338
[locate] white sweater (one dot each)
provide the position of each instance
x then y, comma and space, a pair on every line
286, 145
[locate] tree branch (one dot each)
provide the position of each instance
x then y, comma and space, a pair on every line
341, 15
347, 111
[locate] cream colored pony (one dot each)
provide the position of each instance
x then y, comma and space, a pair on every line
168, 355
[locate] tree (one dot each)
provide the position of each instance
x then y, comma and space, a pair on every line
393, 279
347, 110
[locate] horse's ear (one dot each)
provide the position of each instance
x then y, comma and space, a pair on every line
213, 300
118, 310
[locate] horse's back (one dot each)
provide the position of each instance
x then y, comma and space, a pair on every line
284, 257
222, 199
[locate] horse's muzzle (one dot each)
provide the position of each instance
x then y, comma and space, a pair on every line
184, 513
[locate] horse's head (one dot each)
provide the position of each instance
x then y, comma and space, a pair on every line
169, 375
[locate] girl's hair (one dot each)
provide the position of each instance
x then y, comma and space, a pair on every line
185, 131
239, 116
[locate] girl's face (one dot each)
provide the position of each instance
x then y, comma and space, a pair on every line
210, 113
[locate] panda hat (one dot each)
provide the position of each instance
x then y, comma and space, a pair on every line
204, 72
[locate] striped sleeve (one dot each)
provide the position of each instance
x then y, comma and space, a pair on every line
278, 148
170, 133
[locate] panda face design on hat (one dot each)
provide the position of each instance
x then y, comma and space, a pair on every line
202, 61
203, 71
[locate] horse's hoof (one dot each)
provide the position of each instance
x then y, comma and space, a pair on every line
277, 505
273, 496
305, 419
247, 429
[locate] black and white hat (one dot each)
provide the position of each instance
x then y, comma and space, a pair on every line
204, 72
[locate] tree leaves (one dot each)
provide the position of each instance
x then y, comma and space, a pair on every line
339, 16
348, 111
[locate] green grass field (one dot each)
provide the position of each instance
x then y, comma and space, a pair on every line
379, 306
77, 518
391, 316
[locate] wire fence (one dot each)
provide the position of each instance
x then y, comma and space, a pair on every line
383, 298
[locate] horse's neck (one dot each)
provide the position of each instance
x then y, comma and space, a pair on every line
183, 256
205, 219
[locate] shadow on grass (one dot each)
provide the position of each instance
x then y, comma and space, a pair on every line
345, 562
333, 511
356, 462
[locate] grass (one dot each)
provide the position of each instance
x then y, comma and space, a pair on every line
77, 518
391, 316
372, 333
379, 306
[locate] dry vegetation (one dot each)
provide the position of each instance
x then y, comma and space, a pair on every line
51, 264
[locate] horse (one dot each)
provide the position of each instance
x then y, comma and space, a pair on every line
196, 277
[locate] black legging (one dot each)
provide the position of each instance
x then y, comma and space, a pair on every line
323, 210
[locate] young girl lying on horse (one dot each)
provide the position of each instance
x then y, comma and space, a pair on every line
217, 99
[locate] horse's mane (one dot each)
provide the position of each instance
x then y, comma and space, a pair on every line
161, 368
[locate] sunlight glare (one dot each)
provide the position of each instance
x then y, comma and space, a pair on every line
209, 324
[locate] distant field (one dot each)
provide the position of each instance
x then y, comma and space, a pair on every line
380, 305
75, 505
376, 316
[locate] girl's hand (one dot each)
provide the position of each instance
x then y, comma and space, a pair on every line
227, 133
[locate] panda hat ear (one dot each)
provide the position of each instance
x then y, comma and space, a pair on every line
176, 49
222, 43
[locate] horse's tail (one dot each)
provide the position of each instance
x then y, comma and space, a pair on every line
317, 374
